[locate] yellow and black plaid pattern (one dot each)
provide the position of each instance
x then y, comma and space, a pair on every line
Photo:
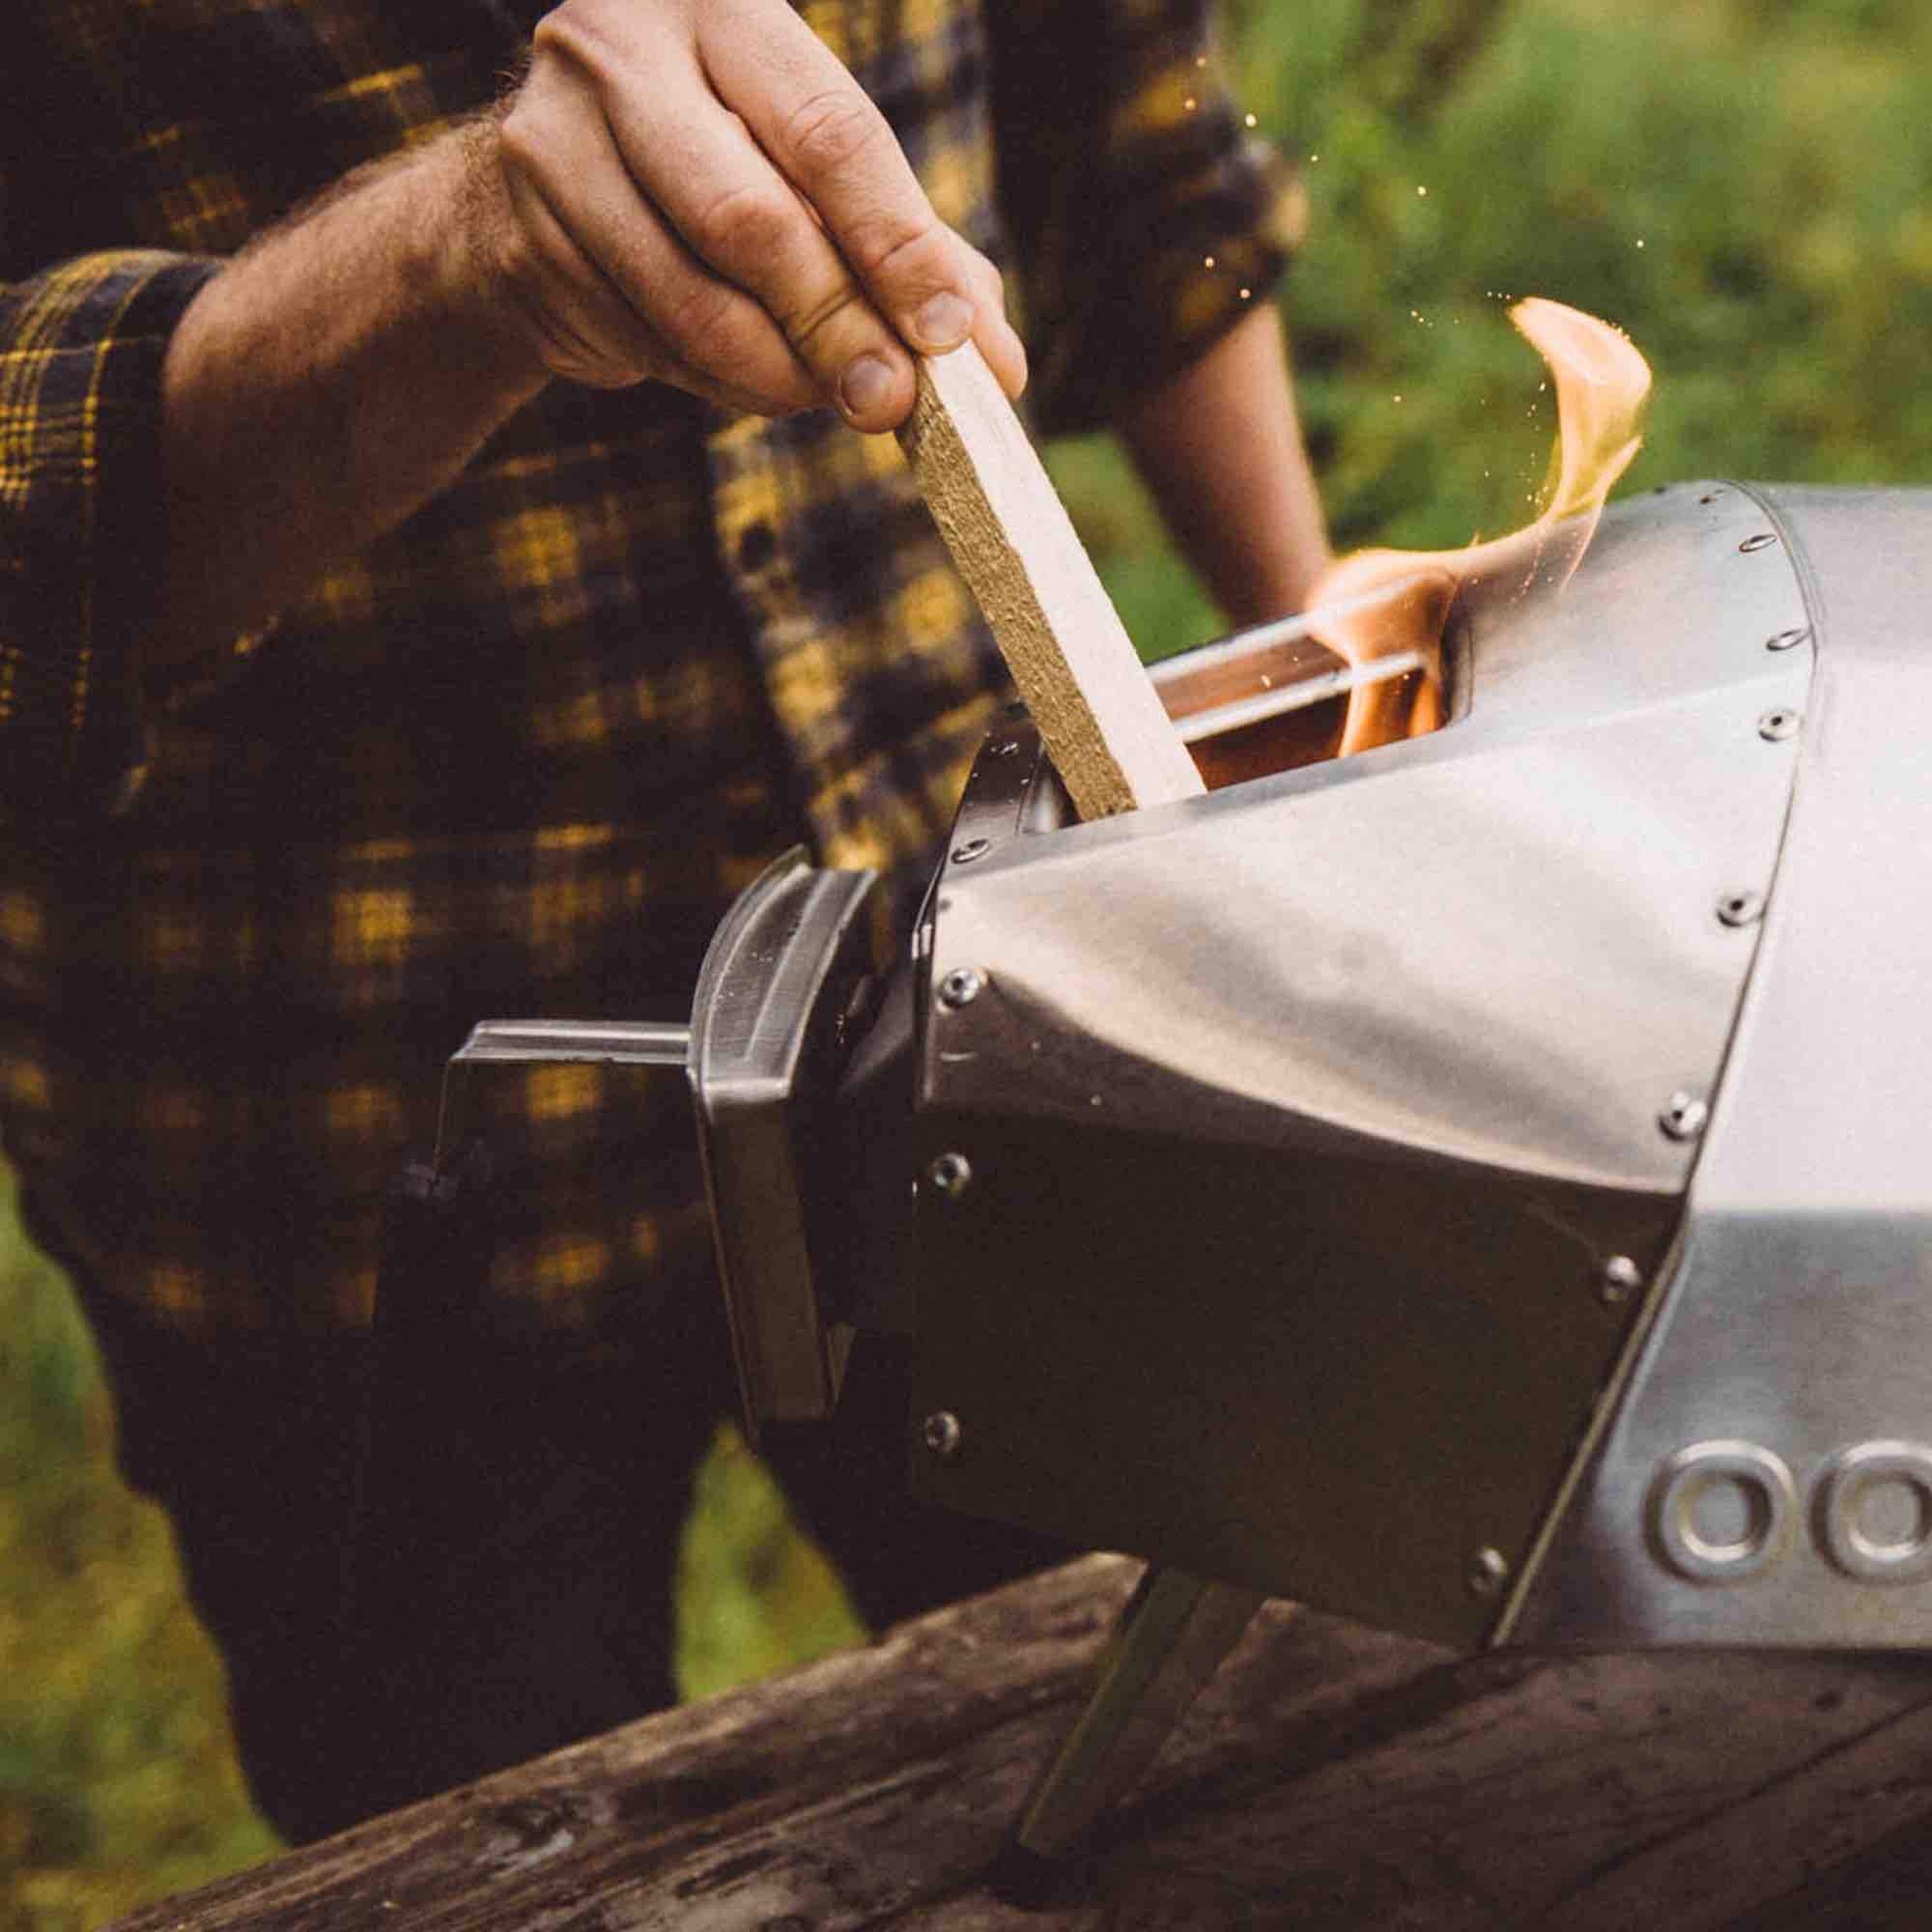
518, 758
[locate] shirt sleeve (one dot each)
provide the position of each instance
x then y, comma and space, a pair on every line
1146, 218
81, 533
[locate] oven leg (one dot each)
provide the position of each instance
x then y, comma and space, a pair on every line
1169, 1639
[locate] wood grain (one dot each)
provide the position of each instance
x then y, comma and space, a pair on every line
1104, 724
1330, 1775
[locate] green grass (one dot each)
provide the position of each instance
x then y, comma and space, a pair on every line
1742, 184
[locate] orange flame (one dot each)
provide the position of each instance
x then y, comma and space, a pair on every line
1377, 602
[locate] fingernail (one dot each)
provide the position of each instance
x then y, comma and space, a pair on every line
866, 385
945, 322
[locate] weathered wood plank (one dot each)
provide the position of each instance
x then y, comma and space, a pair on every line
1849, 1806
1682, 1789
662, 1797
1102, 721
845, 1791
1329, 1776
1887, 1885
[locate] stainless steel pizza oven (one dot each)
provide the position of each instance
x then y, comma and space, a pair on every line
1480, 1185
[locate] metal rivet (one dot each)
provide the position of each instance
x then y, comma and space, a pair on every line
964, 854
1780, 722
1763, 540
1786, 641
951, 1173
1617, 1280
1740, 908
1684, 1116
961, 986
1488, 1572
941, 1433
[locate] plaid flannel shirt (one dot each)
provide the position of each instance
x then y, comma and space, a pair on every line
518, 756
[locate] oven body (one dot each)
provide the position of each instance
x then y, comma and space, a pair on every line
1475, 1186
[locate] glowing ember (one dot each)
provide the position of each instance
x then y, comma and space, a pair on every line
1378, 602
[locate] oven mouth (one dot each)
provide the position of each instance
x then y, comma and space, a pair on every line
1272, 697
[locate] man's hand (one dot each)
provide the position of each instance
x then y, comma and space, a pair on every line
697, 191
691, 190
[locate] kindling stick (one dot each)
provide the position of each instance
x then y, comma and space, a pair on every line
1101, 720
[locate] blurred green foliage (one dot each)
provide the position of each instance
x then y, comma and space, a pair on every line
754, 1596
1742, 184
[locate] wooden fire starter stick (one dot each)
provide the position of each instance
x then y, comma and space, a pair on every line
1102, 721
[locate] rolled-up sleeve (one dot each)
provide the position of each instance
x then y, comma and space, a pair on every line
81, 522
1147, 217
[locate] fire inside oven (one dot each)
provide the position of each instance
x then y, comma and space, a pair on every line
1275, 697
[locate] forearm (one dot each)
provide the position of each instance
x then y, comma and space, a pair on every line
322, 387
698, 195
1220, 447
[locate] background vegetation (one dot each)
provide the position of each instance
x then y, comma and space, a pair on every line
1742, 184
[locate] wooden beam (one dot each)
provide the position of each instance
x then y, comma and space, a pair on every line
1328, 1774
1103, 720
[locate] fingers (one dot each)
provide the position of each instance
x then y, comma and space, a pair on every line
922, 283
730, 211
620, 296
695, 161
826, 137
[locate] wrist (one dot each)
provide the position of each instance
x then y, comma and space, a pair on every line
469, 241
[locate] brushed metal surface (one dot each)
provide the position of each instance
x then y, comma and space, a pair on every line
1304, 1118
1170, 1638
1801, 1319
552, 1042
1496, 943
490, 1070
768, 998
